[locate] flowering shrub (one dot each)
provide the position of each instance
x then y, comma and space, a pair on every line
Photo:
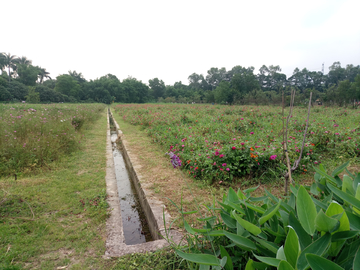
247, 138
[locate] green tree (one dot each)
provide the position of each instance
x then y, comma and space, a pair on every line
336, 74
42, 74
18, 90
33, 96
24, 61
67, 85
243, 81
158, 87
2, 62
9, 61
5, 95
27, 74
215, 76
224, 93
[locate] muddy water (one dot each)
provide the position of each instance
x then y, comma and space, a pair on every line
134, 221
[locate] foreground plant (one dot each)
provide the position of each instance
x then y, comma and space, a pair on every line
297, 232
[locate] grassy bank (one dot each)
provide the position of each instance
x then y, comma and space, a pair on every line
57, 218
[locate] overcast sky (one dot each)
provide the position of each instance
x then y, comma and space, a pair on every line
171, 40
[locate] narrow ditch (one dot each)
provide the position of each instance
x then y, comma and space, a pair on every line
135, 228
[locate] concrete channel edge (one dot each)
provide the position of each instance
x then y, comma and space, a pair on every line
152, 207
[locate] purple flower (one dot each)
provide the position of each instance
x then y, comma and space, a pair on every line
227, 169
251, 133
224, 164
174, 159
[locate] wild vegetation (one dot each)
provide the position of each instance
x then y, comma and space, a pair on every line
20, 81
32, 136
225, 143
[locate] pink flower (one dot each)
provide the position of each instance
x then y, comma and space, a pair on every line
233, 148
224, 164
227, 169
273, 157
183, 145
349, 138
234, 139
242, 118
221, 155
216, 153
251, 133
242, 143
214, 163
337, 133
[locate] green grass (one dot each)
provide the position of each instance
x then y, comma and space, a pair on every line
64, 231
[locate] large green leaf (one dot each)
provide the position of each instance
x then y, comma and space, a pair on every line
250, 265
306, 210
318, 247
241, 241
266, 244
348, 185
339, 236
215, 233
269, 213
354, 221
292, 247
280, 254
188, 228
241, 195
224, 253
323, 223
204, 267
356, 263
271, 196
232, 196
284, 265
268, 260
339, 169
254, 207
356, 181
206, 259
255, 230
236, 207
346, 197
304, 237
330, 178
319, 263
249, 190
336, 209
229, 221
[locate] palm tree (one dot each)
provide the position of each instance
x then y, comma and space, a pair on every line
24, 61
43, 74
2, 62
10, 62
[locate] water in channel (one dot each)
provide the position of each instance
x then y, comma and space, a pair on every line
134, 222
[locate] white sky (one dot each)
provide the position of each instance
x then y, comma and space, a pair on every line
171, 40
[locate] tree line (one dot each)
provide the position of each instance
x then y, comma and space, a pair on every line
20, 80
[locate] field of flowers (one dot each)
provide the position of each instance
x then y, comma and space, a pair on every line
227, 142
32, 136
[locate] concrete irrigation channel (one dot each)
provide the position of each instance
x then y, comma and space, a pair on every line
136, 221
